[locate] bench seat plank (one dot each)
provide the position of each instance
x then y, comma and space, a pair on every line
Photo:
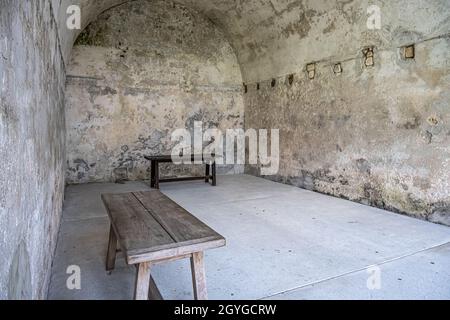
150, 226
179, 223
134, 227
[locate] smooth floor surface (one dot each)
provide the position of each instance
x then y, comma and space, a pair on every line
282, 243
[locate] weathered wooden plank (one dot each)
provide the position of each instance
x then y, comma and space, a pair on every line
135, 228
112, 250
142, 281
198, 276
179, 179
171, 259
175, 250
149, 226
179, 223
151, 229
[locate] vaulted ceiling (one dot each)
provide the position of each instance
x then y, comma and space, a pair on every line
273, 37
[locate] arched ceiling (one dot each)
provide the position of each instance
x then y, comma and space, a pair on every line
240, 20
276, 37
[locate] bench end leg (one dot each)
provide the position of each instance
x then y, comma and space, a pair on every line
112, 250
198, 276
214, 176
207, 173
142, 281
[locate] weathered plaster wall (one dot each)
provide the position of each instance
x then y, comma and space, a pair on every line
140, 71
31, 146
377, 135
274, 37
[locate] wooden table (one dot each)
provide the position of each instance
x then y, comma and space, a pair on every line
150, 229
155, 179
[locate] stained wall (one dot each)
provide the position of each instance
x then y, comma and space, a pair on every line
140, 71
380, 134
32, 79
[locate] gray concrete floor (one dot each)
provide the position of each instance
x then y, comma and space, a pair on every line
282, 243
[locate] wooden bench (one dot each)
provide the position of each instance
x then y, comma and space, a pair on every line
150, 229
210, 173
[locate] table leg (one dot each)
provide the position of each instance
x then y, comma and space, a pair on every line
156, 175
214, 179
152, 174
207, 173
198, 276
112, 250
142, 281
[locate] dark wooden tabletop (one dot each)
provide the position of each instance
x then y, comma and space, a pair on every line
150, 226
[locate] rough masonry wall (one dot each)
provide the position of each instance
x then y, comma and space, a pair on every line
31, 146
379, 135
140, 71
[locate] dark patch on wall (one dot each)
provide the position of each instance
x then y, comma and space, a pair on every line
324, 175
81, 165
422, 183
343, 180
96, 91
120, 175
209, 120
330, 28
273, 83
7, 112
372, 195
363, 166
234, 117
301, 26
413, 123
427, 136
440, 213
92, 35
290, 79
153, 142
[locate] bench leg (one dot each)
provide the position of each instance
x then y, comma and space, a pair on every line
152, 174
112, 250
156, 175
207, 173
198, 276
214, 179
142, 281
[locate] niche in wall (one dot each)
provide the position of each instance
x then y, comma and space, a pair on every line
140, 71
